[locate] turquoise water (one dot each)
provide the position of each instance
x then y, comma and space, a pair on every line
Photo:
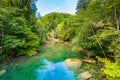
55, 71
48, 65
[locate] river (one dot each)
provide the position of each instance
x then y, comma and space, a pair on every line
47, 65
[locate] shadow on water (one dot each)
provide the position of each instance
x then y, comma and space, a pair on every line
48, 65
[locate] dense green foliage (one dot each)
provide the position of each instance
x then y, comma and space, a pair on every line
112, 69
51, 20
20, 32
59, 23
94, 29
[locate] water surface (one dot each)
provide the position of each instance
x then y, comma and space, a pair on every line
55, 71
48, 65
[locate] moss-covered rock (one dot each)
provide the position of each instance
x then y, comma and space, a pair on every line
2, 72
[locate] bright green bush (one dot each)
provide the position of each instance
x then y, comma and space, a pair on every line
112, 69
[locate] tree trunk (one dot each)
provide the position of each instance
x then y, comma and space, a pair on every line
116, 17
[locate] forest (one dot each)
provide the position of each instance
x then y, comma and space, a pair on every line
94, 30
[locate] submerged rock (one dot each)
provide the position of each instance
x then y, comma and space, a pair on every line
84, 76
2, 72
73, 63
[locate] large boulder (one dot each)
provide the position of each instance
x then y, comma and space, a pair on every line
73, 63
2, 72
84, 76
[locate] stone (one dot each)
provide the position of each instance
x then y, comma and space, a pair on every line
67, 43
84, 76
73, 63
2, 72
89, 60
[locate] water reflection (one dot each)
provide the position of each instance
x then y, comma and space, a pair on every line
52, 71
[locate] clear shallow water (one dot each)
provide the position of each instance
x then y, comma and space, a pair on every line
48, 65
58, 71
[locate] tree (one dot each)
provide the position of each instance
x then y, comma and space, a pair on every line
51, 20
81, 4
21, 33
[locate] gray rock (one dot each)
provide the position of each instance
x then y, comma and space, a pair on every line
2, 72
84, 76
